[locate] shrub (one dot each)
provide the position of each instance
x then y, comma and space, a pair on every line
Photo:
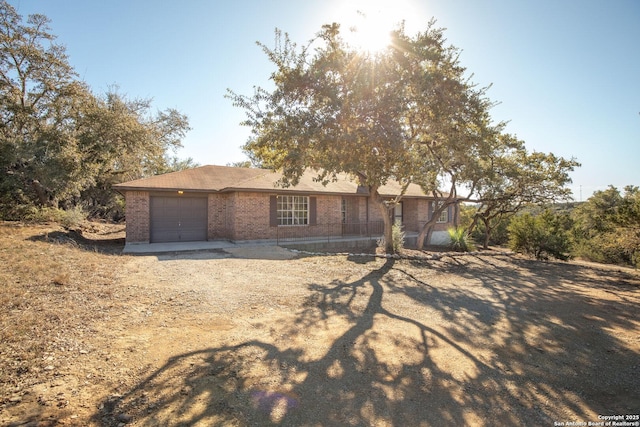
540, 236
460, 240
607, 227
70, 218
397, 237
620, 246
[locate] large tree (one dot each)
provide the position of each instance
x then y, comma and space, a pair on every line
121, 140
376, 116
39, 97
59, 143
514, 179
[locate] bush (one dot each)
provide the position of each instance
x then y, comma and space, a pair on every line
460, 240
541, 236
397, 237
70, 218
620, 246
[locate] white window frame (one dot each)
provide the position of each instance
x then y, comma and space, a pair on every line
444, 215
292, 210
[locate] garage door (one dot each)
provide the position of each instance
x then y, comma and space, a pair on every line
178, 219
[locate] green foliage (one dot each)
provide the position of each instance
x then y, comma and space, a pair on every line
607, 227
467, 213
498, 235
407, 113
241, 164
60, 145
70, 218
397, 239
514, 180
460, 240
541, 236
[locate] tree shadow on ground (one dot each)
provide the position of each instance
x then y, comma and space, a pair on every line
565, 333
76, 239
500, 345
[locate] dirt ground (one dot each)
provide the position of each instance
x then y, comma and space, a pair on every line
254, 337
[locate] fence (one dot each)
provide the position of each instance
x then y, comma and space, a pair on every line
330, 232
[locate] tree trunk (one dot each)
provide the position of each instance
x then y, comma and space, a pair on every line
487, 234
420, 239
474, 224
424, 235
427, 228
388, 228
456, 214
40, 192
386, 218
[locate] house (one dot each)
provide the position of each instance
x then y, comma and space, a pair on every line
230, 203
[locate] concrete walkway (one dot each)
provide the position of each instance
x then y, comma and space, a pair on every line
312, 244
155, 248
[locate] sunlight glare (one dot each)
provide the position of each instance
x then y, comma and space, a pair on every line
366, 25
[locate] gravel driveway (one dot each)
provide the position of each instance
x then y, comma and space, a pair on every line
250, 338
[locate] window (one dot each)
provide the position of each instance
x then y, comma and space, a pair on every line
293, 210
343, 210
397, 213
444, 215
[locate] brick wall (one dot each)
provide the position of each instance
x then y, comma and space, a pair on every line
374, 211
219, 217
410, 214
423, 208
137, 216
363, 211
245, 215
329, 210
249, 214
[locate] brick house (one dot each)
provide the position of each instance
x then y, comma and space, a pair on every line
237, 204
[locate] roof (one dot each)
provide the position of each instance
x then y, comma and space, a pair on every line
213, 179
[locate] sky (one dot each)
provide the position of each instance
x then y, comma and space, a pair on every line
565, 74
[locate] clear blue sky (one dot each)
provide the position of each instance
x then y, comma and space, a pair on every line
566, 72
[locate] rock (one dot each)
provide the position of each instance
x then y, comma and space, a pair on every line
124, 418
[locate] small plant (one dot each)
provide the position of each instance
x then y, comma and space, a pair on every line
397, 237
73, 218
460, 240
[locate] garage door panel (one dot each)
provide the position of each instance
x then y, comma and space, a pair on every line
193, 219
178, 219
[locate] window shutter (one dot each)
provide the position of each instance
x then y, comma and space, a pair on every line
273, 211
449, 213
313, 217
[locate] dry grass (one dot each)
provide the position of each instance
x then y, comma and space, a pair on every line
54, 289
89, 337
